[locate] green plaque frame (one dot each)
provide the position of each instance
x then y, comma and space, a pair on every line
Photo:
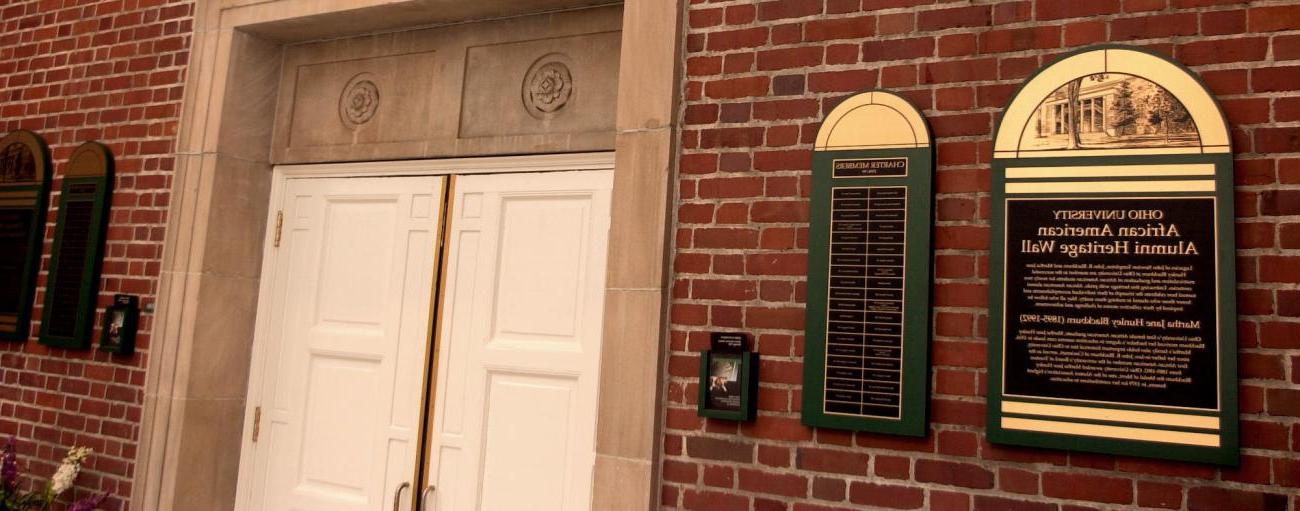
1113, 155
72, 288
873, 160
25, 174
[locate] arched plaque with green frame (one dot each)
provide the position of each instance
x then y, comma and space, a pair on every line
72, 288
868, 316
1112, 317
24, 192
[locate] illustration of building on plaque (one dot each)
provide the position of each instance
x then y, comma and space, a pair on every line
1110, 111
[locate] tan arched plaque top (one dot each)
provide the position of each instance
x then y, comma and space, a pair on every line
873, 120
89, 159
1126, 102
24, 159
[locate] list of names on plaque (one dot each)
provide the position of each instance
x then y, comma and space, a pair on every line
864, 316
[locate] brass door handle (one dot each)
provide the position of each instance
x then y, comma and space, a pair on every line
424, 497
397, 496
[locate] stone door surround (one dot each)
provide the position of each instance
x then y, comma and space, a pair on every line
194, 398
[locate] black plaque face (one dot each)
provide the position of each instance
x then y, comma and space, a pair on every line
15, 230
864, 313
1112, 300
65, 292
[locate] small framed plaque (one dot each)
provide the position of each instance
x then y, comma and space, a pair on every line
867, 334
72, 287
24, 190
120, 320
728, 379
1112, 316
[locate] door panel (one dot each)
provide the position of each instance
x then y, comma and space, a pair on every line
515, 407
348, 320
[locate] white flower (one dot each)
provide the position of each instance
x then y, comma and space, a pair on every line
67, 472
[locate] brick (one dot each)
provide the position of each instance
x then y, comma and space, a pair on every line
1199, 53
740, 14
893, 467
1150, 27
1280, 335
1059, 9
1279, 269
789, 485
897, 23
826, 488
888, 496
1286, 47
1109, 490
953, 474
788, 9
970, 16
1283, 402
948, 501
719, 449
737, 87
714, 501
959, 71
1215, 499
999, 41
832, 461
737, 39
842, 81
1018, 481
991, 503
957, 45
680, 472
786, 58
1274, 18
898, 49
1275, 79
1223, 22
843, 28
1277, 140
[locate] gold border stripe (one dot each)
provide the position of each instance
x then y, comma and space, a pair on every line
24, 194
1202, 169
1110, 414
1116, 432
1205, 185
1134, 151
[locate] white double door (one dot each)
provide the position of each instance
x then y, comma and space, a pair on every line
347, 356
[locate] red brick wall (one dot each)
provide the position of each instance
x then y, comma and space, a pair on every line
759, 76
110, 71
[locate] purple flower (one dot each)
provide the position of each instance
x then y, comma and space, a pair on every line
88, 503
9, 467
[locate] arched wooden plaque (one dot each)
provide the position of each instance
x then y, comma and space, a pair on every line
868, 316
67, 320
1112, 319
24, 192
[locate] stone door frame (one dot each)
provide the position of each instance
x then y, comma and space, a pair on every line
193, 419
